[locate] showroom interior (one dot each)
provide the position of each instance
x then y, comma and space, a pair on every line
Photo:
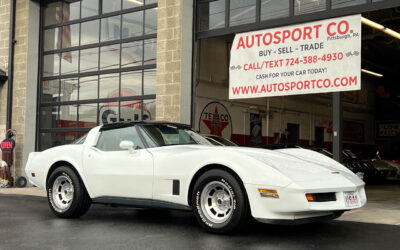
370, 120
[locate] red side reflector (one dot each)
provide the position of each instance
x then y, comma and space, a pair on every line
33, 175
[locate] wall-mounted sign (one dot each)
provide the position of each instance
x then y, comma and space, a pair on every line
216, 120
387, 129
316, 57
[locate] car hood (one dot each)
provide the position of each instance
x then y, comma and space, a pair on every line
299, 164
385, 165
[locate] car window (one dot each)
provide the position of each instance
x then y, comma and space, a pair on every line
80, 140
109, 140
165, 135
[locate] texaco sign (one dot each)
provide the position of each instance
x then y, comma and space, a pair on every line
216, 120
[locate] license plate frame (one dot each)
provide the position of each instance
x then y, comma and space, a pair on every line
351, 199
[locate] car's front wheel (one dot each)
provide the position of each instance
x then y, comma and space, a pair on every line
66, 194
219, 202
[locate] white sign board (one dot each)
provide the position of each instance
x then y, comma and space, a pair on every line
316, 57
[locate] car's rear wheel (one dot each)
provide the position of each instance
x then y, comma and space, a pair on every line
66, 194
219, 202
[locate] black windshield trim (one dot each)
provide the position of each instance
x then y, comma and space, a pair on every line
141, 123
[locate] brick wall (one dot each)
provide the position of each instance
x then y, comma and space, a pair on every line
169, 39
20, 69
4, 35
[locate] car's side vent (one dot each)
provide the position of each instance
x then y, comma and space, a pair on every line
175, 187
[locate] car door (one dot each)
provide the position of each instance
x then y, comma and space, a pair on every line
114, 172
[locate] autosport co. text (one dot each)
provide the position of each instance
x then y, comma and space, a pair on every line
297, 86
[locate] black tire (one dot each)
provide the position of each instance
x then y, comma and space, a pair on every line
21, 182
80, 202
238, 200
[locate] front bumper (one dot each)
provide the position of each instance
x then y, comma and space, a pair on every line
293, 205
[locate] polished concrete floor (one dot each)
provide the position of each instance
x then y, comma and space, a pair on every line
383, 206
26, 222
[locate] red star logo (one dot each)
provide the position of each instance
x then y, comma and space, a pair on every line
216, 126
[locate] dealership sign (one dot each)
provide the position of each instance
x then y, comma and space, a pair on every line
316, 57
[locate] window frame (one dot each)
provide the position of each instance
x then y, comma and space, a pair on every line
41, 103
259, 24
135, 127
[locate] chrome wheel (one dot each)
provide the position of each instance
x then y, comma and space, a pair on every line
62, 192
216, 202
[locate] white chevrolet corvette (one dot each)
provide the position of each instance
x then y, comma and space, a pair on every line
167, 165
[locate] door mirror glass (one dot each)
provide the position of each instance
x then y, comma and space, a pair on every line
127, 145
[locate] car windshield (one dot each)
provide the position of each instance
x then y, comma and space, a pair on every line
223, 141
166, 135
80, 140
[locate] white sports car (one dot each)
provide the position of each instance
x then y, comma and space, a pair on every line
167, 165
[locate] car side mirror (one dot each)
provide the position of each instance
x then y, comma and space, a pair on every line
127, 145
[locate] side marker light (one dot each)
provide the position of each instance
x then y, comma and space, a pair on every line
268, 193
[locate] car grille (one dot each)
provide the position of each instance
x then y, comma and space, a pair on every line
323, 197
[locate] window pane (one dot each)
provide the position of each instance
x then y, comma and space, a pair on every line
109, 140
90, 32
149, 82
150, 51
69, 89
151, 21
49, 140
131, 110
110, 28
272, 9
71, 10
346, 3
132, 24
126, 4
109, 86
51, 39
70, 36
132, 54
68, 115
131, 83
109, 57
151, 1
69, 62
51, 65
242, 11
88, 87
50, 91
212, 15
87, 115
108, 112
149, 109
90, 8
89, 60
49, 117
309, 6
52, 13
110, 6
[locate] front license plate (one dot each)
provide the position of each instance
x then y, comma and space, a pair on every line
351, 199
